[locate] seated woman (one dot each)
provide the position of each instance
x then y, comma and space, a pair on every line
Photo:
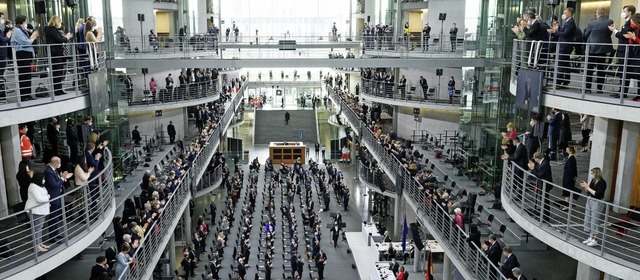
390, 253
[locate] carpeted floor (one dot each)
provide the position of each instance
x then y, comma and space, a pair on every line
271, 127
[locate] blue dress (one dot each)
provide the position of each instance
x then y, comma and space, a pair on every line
122, 265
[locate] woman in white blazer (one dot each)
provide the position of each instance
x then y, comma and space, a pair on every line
38, 204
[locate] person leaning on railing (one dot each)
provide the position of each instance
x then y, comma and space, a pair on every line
593, 209
22, 42
55, 38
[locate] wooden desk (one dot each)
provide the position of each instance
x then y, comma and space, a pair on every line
287, 152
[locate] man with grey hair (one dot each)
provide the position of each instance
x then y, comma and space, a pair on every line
598, 37
517, 273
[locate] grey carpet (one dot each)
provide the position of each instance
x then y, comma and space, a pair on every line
270, 126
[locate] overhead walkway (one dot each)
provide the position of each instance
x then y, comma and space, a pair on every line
172, 97
412, 96
85, 216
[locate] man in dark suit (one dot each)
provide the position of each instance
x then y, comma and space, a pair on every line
287, 116
555, 120
53, 136
519, 158
599, 36
53, 181
542, 170
534, 32
510, 262
565, 35
100, 268
135, 135
628, 11
494, 252
394, 266
72, 140
171, 130
426, 35
338, 218
321, 260
300, 266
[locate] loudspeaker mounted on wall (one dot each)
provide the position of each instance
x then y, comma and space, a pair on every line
41, 7
442, 16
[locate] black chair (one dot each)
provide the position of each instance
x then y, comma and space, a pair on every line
501, 231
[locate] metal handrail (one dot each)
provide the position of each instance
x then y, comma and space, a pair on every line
474, 260
81, 210
391, 91
192, 92
615, 242
156, 239
549, 58
45, 78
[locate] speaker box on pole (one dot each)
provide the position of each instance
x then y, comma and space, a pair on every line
41, 7
145, 70
442, 16
368, 18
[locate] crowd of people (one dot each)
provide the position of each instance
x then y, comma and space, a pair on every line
24, 39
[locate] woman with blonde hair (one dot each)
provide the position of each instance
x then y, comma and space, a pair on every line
56, 39
79, 24
593, 209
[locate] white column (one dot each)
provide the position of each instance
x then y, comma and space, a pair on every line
11, 156
398, 217
586, 272
396, 112
186, 224
172, 253
446, 268
626, 164
603, 154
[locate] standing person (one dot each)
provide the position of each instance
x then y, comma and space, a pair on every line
426, 35
321, 261
287, 116
565, 132
72, 140
425, 87
402, 86
453, 34
494, 251
586, 122
633, 67
5, 40
555, 120
169, 84
323, 149
56, 38
565, 35
533, 136
317, 149
153, 40
24, 178
37, 202
153, 88
569, 177
627, 12
335, 233
542, 170
53, 136
593, 209
510, 262
53, 182
22, 43
599, 37
451, 87
123, 261
95, 37
181, 34
135, 136
171, 130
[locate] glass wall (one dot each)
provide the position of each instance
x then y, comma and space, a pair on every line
277, 17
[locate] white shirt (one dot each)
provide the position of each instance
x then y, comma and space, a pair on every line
36, 200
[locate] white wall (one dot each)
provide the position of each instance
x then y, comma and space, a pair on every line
148, 124
455, 10
131, 9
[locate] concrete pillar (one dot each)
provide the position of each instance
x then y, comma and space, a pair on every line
172, 254
395, 118
11, 157
398, 217
604, 140
185, 126
586, 272
446, 268
186, 225
626, 164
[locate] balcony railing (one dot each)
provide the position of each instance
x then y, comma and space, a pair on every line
569, 69
618, 236
193, 92
473, 260
408, 94
83, 211
44, 79
156, 239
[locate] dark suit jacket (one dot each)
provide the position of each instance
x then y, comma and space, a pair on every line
570, 173
509, 263
535, 32
598, 32
394, 267
97, 270
171, 130
520, 156
55, 38
566, 34
543, 172
53, 182
622, 41
4, 43
494, 253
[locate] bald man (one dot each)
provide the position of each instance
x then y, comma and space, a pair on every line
53, 181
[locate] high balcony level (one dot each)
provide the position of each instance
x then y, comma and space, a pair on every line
593, 83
